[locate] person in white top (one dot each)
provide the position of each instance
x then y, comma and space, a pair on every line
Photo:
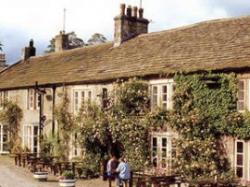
123, 171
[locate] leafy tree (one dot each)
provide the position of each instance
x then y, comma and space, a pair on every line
74, 42
1, 46
97, 38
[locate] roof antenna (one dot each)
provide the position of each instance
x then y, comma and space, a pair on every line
64, 19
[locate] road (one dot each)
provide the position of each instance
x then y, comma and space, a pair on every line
13, 176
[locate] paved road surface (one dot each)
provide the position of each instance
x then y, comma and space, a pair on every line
13, 176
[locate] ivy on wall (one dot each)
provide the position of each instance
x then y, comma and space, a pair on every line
204, 112
11, 116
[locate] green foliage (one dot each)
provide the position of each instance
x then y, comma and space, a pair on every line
120, 128
132, 97
204, 112
66, 124
68, 175
11, 115
97, 38
50, 146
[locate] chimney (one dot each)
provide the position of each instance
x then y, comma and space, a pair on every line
30, 51
2, 60
135, 12
129, 25
61, 42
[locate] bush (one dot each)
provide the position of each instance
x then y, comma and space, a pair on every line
68, 175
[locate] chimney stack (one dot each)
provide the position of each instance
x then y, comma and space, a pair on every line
129, 25
61, 42
2, 60
29, 51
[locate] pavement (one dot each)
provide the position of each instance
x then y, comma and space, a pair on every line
14, 176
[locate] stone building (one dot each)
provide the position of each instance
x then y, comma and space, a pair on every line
85, 73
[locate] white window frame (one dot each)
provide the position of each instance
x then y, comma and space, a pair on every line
159, 84
87, 98
3, 97
243, 159
28, 137
1, 140
31, 93
160, 136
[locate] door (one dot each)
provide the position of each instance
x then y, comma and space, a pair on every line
4, 145
31, 137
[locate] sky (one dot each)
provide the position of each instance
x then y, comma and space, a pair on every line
22, 20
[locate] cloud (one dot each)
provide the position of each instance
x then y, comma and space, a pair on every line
42, 19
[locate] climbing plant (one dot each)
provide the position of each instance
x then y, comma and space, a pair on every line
204, 113
66, 125
11, 115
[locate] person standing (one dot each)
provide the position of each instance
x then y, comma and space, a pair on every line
123, 171
111, 167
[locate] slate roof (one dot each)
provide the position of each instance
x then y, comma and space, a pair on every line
212, 45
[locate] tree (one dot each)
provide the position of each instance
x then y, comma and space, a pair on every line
74, 42
1, 46
97, 38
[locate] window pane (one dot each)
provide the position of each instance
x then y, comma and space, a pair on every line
155, 90
239, 160
241, 85
239, 147
164, 153
241, 95
154, 141
239, 172
155, 162
154, 96
89, 99
164, 89
164, 142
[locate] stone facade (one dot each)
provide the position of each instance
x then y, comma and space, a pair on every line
129, 25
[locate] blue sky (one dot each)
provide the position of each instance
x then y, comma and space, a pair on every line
21, 20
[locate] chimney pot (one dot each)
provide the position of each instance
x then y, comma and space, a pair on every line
122, 9
135, 11
141, 13
31, 43
129, 11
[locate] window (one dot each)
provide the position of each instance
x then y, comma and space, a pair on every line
162, 151
3, 97
239, 158
32, 100
81, 97
104, 98
161, 95
30, 137
241, 95
4, 146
